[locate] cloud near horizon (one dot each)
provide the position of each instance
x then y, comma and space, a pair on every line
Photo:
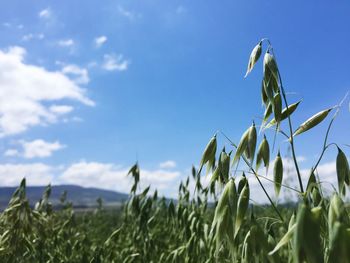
114, 177
88, 174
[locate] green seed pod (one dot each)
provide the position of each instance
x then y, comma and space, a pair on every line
269, 85
243, 144
291, 221
336, 211
263, 154
242, 206
267, 113
209, 154
307, 241
316, 196
194, 172
224, 214
250, 150
284, 115
343, 172
242, 183
264, 98
278, 173
312, 122
338, 244
277, 107
215, 175
270, 65
224, 164
285, 239
311, 183
254, 57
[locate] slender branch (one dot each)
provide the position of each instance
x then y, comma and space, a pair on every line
257, 177
291, 134
289, 122
272, 181
325, 146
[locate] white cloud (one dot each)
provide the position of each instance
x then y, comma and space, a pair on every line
61, 109
110, 176
11, 152
82, 75
99, 41
126, 13
35, 173
45, 13
66, 42
27, 91
115, 63
167, 164
35, 149
31, 36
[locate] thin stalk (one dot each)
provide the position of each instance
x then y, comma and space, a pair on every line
272, 181
257, 177
291, 134
325, 146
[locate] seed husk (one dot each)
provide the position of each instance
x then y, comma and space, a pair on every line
284, 115
277, 107
243, 144
278, 174
254, 57
343, 170
242, 206
271, 65
250, 150
209, 154
263, 154
312, 121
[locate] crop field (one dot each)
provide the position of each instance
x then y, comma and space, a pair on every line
214, 222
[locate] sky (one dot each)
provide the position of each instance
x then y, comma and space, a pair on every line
87, 88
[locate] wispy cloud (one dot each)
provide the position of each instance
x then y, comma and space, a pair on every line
31, 36
61, 109
167, 164
66, 42
45, 13
80, 75
130, 15
113, 62
24, 104
99, 41
35, 149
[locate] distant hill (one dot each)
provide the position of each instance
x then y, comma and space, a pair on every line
79, 196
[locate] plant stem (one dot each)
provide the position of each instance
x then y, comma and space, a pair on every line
272, 181
291, 134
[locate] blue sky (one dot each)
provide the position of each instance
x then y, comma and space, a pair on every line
153, 81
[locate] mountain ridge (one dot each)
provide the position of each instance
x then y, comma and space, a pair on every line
80, 196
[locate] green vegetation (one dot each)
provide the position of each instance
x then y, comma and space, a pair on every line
194, 228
